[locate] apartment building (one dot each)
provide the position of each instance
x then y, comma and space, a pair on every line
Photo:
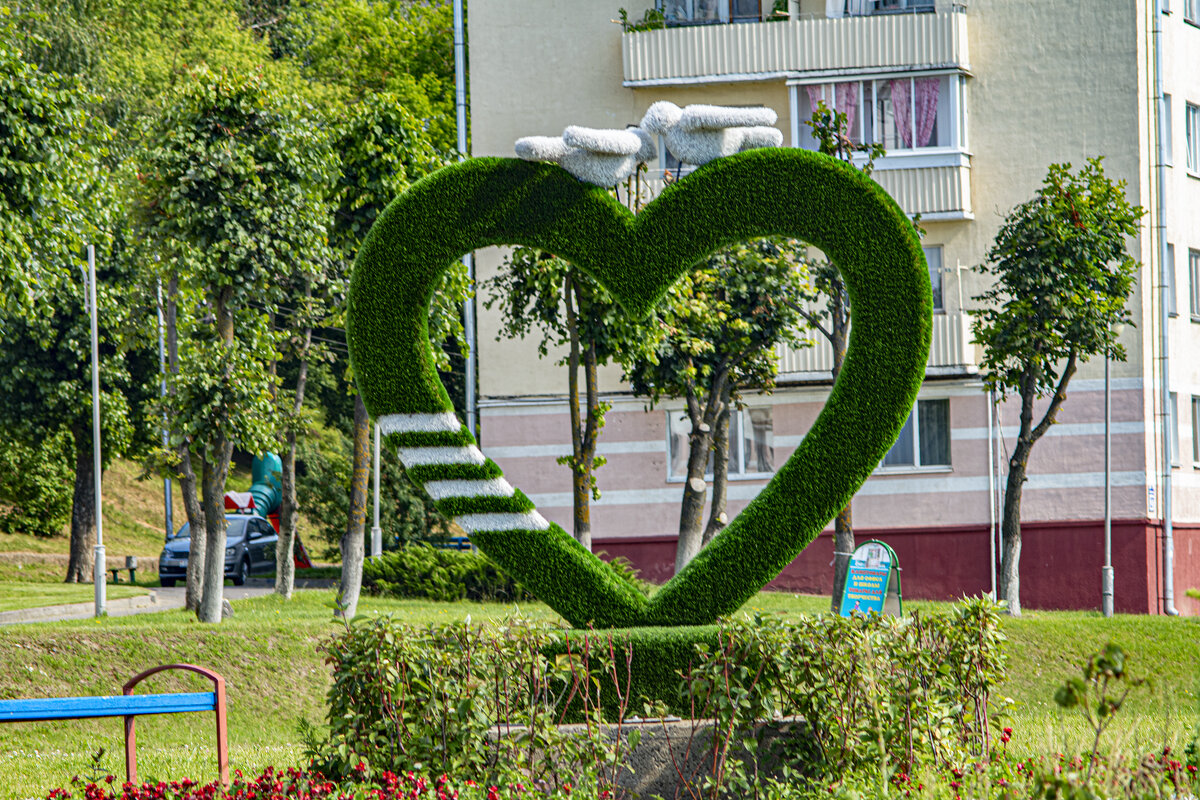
973, 100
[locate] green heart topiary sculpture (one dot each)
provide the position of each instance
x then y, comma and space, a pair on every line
490, 201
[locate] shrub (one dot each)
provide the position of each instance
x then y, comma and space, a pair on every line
36, 485
878, 694
419, 570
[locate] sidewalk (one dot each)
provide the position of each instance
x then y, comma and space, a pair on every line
160, 599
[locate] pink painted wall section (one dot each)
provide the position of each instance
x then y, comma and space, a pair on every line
1060, 563
637, 499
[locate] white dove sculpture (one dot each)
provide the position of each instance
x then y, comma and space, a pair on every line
593, 155
698, 134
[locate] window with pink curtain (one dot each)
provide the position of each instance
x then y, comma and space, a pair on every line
919, 95
846, 97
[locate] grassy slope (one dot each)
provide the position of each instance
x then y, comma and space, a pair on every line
269, 655
14, 595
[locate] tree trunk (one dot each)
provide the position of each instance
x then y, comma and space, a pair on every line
1010, 526
717, 518
695, 492
1010, 532
83, 510
580, 461
843, 525
285, 566
353, 544
198, 543
214, 472
186, 476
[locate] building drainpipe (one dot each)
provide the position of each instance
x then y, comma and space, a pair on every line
1161, 224
991, 496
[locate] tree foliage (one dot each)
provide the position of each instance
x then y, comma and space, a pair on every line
718, 330
1063, 276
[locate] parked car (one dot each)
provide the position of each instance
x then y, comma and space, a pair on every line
249, 550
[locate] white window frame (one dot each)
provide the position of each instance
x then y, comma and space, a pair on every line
1191, 11
1167, 139
738, 419
1191, 116
915, 418
940, 271
1196, 432
1176, 454
1194, 282
1172, 294
935, 155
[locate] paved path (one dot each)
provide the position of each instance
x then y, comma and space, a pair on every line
159, 599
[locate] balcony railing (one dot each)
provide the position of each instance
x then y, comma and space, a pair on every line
951, 351
936, 193
856, 44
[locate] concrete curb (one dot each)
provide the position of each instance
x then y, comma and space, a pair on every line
75, 610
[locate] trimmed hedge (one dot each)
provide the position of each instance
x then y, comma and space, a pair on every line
789, 192
419, 570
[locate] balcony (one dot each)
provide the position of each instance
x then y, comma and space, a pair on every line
937, 193
773, 50
952, 352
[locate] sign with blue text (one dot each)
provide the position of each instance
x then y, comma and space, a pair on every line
872, 581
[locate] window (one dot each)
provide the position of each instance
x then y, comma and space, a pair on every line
925, 440
1196, 432
1194, 281
1192, 133
1191, 11
901, 113
1167, 148
751, 443
706, 12
856, 8
1172, 309
933, 257
1176, 458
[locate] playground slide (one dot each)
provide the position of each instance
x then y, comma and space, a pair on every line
264, 497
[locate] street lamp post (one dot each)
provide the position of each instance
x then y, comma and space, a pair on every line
376, 531
1106, 572
98, 570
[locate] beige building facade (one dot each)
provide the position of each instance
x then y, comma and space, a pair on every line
973, 102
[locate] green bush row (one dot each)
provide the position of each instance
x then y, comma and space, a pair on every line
876, 693
435, 573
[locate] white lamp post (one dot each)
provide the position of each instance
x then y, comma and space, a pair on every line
98, 571
376, 531
1106, 572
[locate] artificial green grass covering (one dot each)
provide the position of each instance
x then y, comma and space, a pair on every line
650, 664
796, 193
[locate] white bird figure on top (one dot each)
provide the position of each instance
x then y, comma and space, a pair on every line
698, 133
598, 156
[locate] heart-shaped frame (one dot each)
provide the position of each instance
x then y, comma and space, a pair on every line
491, 201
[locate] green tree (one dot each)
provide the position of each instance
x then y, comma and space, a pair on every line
59, 192
1062, 278
234, 195
383, 148
360, 48
719, 327
537, 291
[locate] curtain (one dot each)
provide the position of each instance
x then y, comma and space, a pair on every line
902, 109
816, 93
926, 101
847, 103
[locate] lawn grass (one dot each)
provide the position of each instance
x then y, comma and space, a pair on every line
14, 594
269, 654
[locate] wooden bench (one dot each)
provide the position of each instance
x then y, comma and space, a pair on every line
131, 706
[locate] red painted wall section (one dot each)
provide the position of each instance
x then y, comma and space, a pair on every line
1060, 563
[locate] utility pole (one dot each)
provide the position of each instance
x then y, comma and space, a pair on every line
98, 565
460, 104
